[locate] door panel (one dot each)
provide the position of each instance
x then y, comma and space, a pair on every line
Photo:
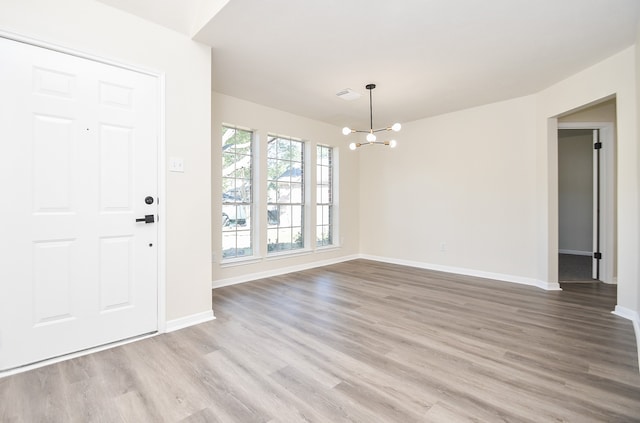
51, 281
79, 145
116, 273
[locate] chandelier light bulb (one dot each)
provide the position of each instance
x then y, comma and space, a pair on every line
393, 144
346, 130
352, 146
371, 137
396, 127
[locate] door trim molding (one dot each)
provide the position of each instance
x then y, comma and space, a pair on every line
161, 143
77, 53
607, 189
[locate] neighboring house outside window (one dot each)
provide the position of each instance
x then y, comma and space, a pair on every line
324, 196
237, 198
285, 194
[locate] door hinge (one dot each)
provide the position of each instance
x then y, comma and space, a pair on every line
597, 146
597, 256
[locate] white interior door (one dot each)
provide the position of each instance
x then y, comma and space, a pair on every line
595, 257
78, 142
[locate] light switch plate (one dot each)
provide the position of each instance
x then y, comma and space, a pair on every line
176, 164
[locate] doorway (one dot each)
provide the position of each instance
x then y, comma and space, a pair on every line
577, 223
79, 260
586, 191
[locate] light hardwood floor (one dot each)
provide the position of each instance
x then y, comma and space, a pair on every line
360, 342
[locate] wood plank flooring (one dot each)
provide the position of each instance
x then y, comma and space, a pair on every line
359, 342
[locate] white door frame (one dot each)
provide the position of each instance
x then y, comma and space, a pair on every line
607, 190
162, 221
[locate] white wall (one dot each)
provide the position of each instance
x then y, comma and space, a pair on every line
94, 28
458, 192
484, 183
575, 190
264, 120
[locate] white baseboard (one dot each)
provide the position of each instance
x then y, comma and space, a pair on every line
280, 271
547, 286
576, 252
191, 320
626, 313
635, 319
469, 272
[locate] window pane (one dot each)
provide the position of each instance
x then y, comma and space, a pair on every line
244, 243
322, 195
243, 147
227, 138
272, 193
273, 216
295, 193
283, 193
285, 216
296, 151
272, 239
297, 239
323, 175
284, 149
323, 215
243, 190
296, 215
228, 186
323, 236
273, 169
272, 148
284, 238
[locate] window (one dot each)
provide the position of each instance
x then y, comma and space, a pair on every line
237, 201
285, 194
324, 196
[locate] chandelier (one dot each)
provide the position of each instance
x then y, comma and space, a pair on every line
371, 133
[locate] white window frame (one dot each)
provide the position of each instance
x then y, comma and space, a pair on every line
304, 199
250, 205
332, 197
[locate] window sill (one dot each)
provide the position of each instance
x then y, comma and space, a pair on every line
286, 254
327, 248
240, 261
276, 256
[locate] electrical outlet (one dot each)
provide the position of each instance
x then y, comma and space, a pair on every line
443, 247
176, 164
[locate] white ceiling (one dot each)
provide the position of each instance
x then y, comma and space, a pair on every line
427, 57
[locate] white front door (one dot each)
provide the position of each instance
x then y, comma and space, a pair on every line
79, 156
